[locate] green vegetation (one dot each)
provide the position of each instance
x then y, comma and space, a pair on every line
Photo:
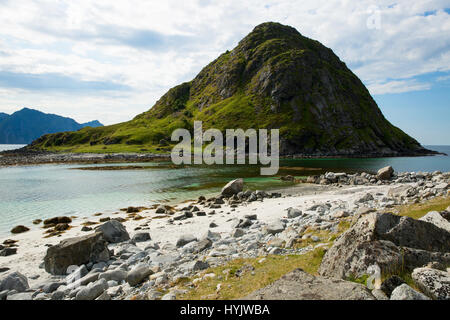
418, 210
258, 275
274, 78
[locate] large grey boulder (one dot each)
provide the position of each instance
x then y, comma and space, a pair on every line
92, 290
76, 251
437, 219
434, 283
405, 292
299, 285
392, 242
113, 231
385, 173
14, 281
233, 187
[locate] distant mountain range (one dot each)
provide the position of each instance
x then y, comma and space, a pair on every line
26, 125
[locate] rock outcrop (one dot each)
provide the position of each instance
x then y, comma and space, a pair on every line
434, 283
392, 242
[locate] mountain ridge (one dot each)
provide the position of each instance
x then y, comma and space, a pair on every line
273, 78
26, 125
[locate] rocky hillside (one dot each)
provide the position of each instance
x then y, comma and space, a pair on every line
26, 125
274, 78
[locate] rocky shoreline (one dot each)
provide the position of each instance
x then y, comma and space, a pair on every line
144, 253
27, 156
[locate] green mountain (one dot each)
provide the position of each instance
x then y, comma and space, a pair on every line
274, 78
26, 125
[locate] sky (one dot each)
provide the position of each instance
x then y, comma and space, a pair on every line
111, 60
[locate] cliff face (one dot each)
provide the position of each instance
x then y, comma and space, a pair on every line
274, 78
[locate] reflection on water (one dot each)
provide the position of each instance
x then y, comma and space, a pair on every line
30, 192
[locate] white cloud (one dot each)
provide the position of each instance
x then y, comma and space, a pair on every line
398, 86
151, 46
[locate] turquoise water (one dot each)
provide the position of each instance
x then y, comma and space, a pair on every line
31, 192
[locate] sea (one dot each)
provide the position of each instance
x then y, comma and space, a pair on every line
48, 190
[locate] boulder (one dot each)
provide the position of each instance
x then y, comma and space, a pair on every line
299, 285
19, 229
76, 251
185, 239
14, 281
92, 290
405, 292
21, 296
113, 231
390, 284
7, 251
275, 227
138, 274
237, 233
293, 213
434, 283
117, 275
437, 219
233, 187
385, 173
57, 220
141, 237
392, 242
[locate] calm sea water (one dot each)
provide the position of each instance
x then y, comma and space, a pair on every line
31, 192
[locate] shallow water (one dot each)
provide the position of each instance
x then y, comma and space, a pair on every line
31, 192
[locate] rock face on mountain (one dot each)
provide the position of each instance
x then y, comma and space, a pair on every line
274, 78
26, 125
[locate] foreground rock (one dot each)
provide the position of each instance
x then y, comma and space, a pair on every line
434, 283
392, 242
76, 251
233, 187
14, 281
299, 285
437, 219
405, 292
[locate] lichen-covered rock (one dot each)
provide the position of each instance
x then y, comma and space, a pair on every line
76, 251
392, 242
299, 285
405, 292
434, 283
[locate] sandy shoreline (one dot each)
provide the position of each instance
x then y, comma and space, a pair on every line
32, 245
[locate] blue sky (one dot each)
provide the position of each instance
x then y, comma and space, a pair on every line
111, 60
